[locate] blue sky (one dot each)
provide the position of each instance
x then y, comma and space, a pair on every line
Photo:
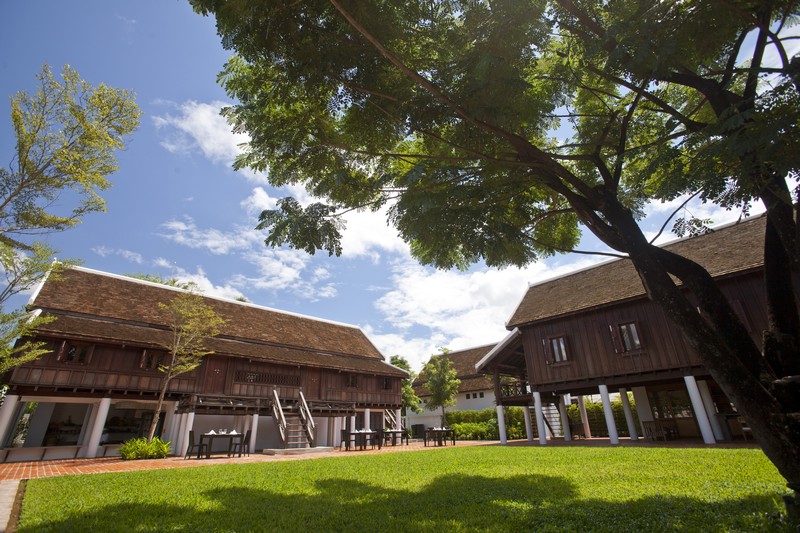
178, 209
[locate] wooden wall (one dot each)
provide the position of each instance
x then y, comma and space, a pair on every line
113, 369
591, 350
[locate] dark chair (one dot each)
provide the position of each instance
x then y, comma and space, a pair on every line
345, 440
195, 446
243, 445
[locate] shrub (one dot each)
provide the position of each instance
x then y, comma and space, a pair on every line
141, 449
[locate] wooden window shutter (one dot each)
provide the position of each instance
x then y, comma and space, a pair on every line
61, 351
548, 352
615, 339
89, 353
143, 359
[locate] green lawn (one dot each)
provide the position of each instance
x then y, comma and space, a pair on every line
456, 489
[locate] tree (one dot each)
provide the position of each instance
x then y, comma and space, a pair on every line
170, 282
441, 382
410, 399
192, 322
66, 135
446, 112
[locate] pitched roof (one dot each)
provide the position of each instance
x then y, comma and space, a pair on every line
463, 361
731, 249
97, 305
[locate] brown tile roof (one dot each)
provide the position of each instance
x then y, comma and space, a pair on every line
97, 305
463, 362
735, 248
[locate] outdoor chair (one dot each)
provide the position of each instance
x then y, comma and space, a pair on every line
345, 440
243, 446
194, 446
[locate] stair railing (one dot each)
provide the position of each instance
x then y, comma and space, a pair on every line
277, 415
308, 421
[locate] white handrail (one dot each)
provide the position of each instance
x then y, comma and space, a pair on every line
277, 413
305, 414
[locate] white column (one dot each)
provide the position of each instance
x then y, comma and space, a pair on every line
708, 402
180, 427
7, 416
97, 427
587, 429
501, 425
351, 438
562, 411
626, 408
169, 421
367, 414
253, 432
526, 412
642, 406
398, 419
613, 437
185, 433
699, 410
540, 425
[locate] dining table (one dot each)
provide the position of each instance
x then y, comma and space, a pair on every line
439, 436
397, 435
363, 437
210, 437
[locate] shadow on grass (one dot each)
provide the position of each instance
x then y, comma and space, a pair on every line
449, 503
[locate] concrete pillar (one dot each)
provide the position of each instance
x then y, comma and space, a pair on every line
398, 419
643, 408
97, 427
540, 425
501, 425
708, 402
185, 433
626, 407
699, 410
587, 429
180, 428
613, 437
169, 422
367, 414
253, 432
7, 413
562, 411
526, 412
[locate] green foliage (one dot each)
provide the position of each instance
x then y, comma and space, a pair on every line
480, 488
410, 400
597, 418
482, 425
66, 136
441, 382
171, 282
140, 448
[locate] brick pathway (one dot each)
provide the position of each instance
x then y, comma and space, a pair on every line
64, 467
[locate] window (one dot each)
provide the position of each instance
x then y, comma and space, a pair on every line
481, 395
625, 337
151, 360
555, 349
79, 354
468, 396
352, 381
387, 384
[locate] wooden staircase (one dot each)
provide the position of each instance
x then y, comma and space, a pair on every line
295, 423
296, 436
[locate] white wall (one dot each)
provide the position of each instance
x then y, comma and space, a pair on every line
434, 418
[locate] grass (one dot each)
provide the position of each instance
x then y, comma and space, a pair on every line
456, 489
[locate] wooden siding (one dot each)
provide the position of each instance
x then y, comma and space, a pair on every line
117, 370
591, 353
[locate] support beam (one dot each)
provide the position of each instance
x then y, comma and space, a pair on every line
7, 413
613, 436
97, 427
699, 410
587, 429
540, 425
253, 432
626, 408
526, 412
501, 425
367, 416
398, 419
711, 411
187, 428
562, 412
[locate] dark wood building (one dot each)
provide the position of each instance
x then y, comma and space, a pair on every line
98, 385
595, 331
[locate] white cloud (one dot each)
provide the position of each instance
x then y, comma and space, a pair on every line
105, 251
185, 232
199, 125
199, 278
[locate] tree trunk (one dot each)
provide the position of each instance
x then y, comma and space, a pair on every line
157, 411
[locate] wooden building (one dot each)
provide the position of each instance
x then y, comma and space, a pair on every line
475, 392
595, 332
98, 385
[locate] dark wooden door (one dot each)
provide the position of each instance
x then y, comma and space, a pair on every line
216, 374
312, 383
